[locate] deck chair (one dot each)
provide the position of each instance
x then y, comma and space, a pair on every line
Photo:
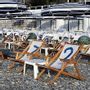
86, 51
20, 45
31, 49
39, 60
61, 61
1, 55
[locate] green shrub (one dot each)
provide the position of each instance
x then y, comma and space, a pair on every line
84, 40
32, 36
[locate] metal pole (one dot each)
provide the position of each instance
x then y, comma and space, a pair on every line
68, 25
85, 1
68, 1
23, 1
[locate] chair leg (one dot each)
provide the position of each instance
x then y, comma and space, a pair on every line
78, 73
1, 54
58, 74
40, 74
55, 78
11, 65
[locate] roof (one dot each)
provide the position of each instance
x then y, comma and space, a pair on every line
69, 5
11, 6
8, 1
66, 9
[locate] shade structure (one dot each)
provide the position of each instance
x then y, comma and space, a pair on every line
11, 9
67, 9
11, 6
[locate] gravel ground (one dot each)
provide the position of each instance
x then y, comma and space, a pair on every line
13, 80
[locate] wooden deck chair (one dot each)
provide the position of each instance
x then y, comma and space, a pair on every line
41, 60
1, 55
61, 61
20, 45
32, 48
86, 52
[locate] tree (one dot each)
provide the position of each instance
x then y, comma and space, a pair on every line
38, 2
27, 2
45, 2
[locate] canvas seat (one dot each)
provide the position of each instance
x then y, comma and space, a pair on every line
86, 52
42, 60
62, 60
31, 49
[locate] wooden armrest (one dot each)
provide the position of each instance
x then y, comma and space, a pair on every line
63, 60
17, 52
36, 54
21, 52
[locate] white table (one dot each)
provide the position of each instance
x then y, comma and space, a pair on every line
9, 44
46, 50
34, 63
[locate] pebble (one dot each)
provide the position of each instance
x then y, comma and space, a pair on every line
13, 80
